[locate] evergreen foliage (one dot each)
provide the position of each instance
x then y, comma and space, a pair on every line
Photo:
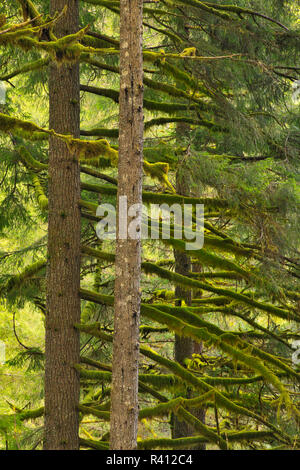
228, 75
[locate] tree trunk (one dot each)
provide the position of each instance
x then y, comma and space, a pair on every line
124, 395
63, 275
184, 347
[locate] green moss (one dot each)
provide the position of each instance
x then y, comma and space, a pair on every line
221, 400
29, 161
227, 245
93, 444
203, 6
158, 171
203, 429
170, 108
87, 149
192, 283
88, 410
161, 382
185, 78
188, 442
159, 198
194, 122
100, 132
188, 377
161, 409
31, 414
97, 162
29, 9
208, 258
216, 275
181, 320
146, 330
16, 281
104, 3
40, 195
164, 294
36, 65
2, 20
17, 34
185, 281
227, 342
171, 90
11, 125
100, 42
173, 405
218, 300
65, 49
186, 315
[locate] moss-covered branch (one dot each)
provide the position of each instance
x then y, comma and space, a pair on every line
192, 283
185, 281
188, 377
29, 9
36, 65
159, 198
29, 161
165, 409
40, 195
240, 11
183, 322
188, 442
16, 281
170, 108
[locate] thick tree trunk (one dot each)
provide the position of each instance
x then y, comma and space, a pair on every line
184, 347
124, 396
63, 276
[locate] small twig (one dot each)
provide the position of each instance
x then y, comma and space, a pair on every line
15, 333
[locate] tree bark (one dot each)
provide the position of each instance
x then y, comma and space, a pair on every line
63, 274
124, 395
184, 347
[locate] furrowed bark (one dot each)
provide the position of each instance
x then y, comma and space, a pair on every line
184, 347
63, 275
124, 396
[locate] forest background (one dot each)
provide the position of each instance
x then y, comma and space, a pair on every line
221, 109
